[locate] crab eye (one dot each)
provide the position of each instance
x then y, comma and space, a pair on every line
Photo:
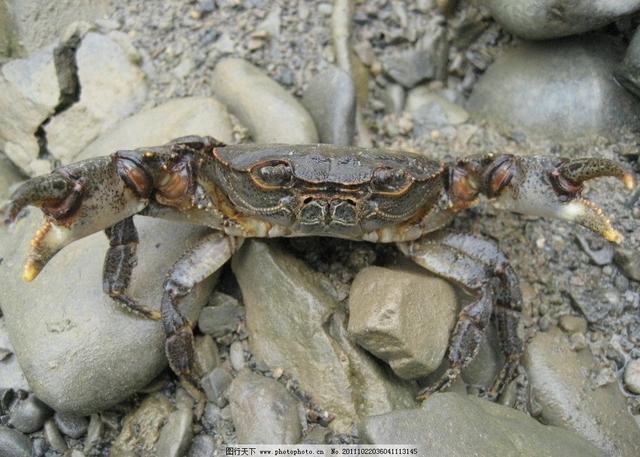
273, 175
390, 181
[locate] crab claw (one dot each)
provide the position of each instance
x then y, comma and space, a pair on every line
78, 200
542, 186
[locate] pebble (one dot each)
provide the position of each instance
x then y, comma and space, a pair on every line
176, 434
94, 433
628, 260
632, 376
402, 317
483, 369
263, 411
236, 355
628, 74
393, 98
271, 114
432, 111
202, 445
206, 354
72, 425
546, 89
450, 424
602, 256
330, 99
569, 399
14, 443
29, 415
215, 386
54, 437
220, 320
573, 324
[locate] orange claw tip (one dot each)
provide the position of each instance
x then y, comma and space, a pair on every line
629, 180
30, 272
613, 235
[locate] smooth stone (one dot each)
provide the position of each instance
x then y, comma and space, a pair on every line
330, 99
558, 90
283, 296
632, 376
14, 443
432, 110
79, 351
560, 384
236, 355
573, 324
202, 445
628, 74
402, 317
9, 175
271, 114
94, 433
220, 320
175, 436
141, 427
29, 415
112, 87
71, 425
54, 437
454, 425
11, 375
159, 125
543, 19
206, 354
215, 386
263, 411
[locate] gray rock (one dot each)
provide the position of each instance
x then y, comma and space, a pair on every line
215, 386
628, 74
283, 296
558, 90
141, 428
484, 368
330, 98
156, 126
54, 437
270, 113
29, 415
9, 175
393, 98
11, 375
632, 376
542, 19
112, 87
431, 110
14, 443
560, 384
452, 424
573, 324
206, 354
220, 320
263, 411
71, 425
94, 433
236, 355
202, 445
629, 261
79, 351
176, 434
402, 317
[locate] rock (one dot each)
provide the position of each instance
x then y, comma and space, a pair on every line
632, 376
79, 351
215, 386
111, 88
452, 424
94, 433
14, 443
202, 445
274, 284
629, 262
330, 99
71, 425
176, 435
431, 110
263, 411
558, 90
220, 320
270, 113
393, 98
543, 19
11, 375
484, 368
9, 175
560, 384
236, 355
427, 60
141, 428
573, 324
628, 74
206, 354
402, 317
28, 415
54, 437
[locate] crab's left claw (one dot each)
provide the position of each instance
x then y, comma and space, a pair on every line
548, 187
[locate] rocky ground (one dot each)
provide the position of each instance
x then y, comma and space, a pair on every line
294, 338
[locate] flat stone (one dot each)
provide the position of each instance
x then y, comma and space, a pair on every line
558, 90
206, 354
220, 320
14, 443
54, 437
176, 434
29, 415
79, 351
159, 125
452, 424
263, 411
402, 317
560, 383
330, 99
543, 19
271, 114
215, 386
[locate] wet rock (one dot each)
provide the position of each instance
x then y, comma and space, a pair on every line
451, 424
330, 99
263, 411
628, 260
156, 126
236, 355
176, 434
561, 385
206, 354
269, 112
11, 375
220, 320
402, 317
202, 445
632, 376
431, 110
141, 428
71, 425
14, 443
80, 351
215, 386
283, 296
9, 175
29, 415
427, 60
548, 89
54, 437
628, 74
542, 19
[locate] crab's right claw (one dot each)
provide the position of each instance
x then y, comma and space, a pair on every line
542, 186
78, 200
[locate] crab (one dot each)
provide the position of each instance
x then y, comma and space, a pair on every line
278, 190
